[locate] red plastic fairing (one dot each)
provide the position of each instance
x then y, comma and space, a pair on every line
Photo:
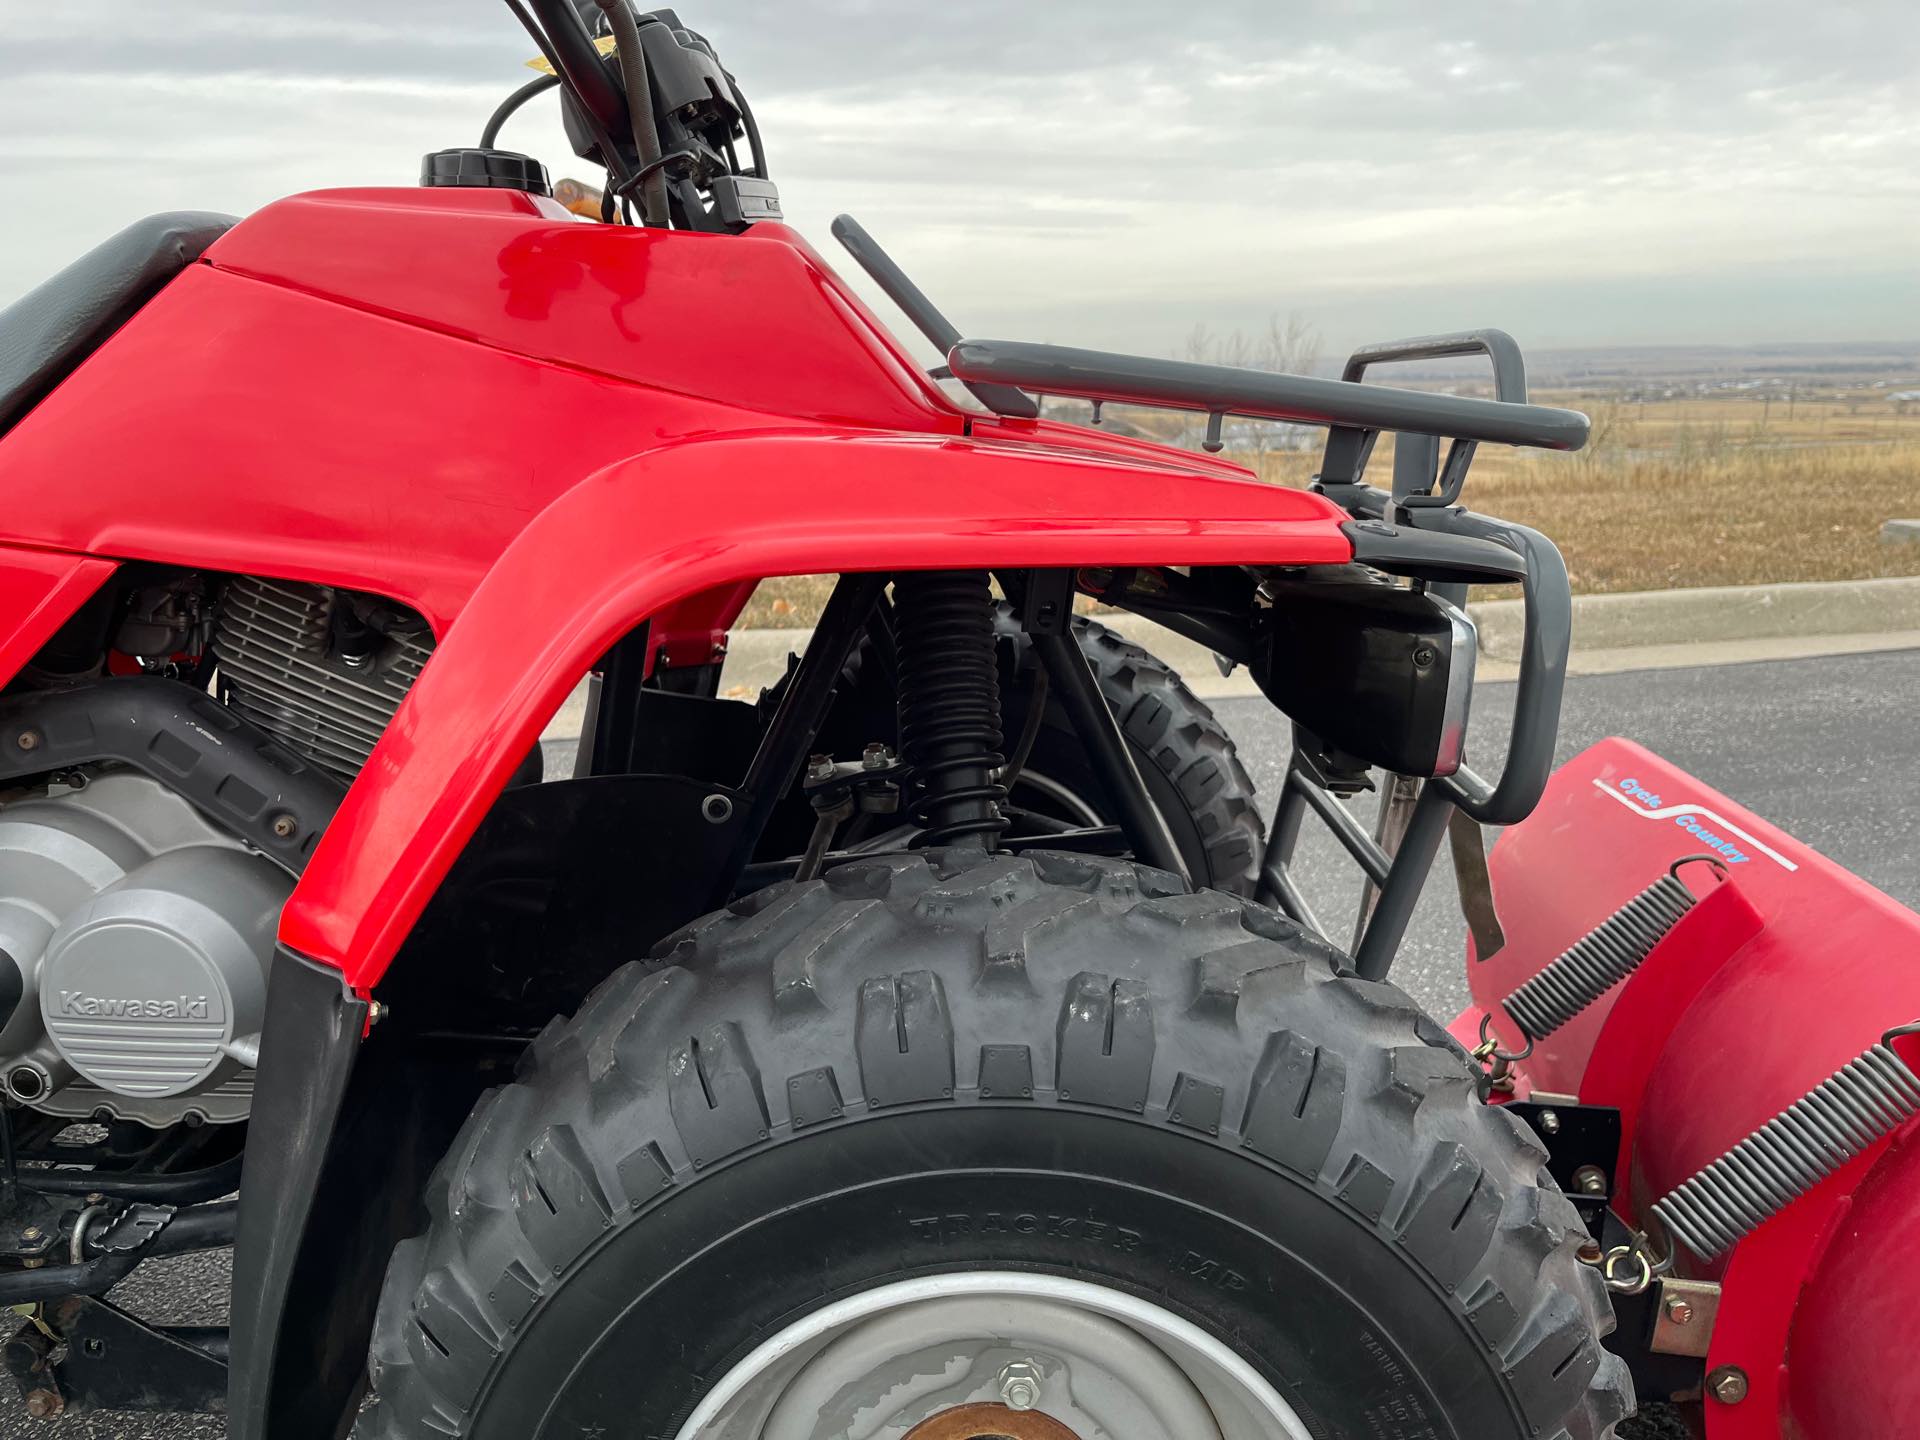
686, 518
247, 428
1776, 979
39, 590
753, 320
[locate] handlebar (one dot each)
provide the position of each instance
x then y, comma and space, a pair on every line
925, 315
580, 65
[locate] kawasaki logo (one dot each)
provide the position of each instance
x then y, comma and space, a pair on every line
107, 1007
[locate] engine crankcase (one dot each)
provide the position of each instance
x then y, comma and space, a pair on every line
135, 943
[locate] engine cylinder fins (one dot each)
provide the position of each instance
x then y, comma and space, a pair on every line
1605, 955
1859, 1104
284, 666
949, 695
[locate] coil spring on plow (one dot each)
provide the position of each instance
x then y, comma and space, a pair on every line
949, 697
1600, 959
1720, 1204
1860, 1103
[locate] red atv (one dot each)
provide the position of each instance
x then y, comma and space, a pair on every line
952, 1054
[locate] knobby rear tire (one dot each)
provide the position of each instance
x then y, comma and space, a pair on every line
955, 1061
1185, 756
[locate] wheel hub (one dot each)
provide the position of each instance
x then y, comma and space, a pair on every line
986, 1355
990, 1422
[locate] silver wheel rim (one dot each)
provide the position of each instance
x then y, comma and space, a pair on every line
1103, 1364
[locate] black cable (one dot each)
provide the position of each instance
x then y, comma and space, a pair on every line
1030, 731
615, 162
539, 85
646, 131
753, 129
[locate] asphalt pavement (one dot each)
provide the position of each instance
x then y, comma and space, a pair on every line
1826, 748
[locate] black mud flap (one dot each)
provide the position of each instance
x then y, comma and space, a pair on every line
343, 1135
288, 1223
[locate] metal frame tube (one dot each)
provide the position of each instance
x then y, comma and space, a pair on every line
783, 749
1072, 679
1373, 957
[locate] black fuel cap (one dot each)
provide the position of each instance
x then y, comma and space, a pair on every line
486, 170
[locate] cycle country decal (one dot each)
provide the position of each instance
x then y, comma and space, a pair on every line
1716, 833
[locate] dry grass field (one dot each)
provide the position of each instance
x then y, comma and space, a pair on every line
1672, 492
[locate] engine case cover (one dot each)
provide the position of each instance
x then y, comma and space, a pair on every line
146, 988
135, 942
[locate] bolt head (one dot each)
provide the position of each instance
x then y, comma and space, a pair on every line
284, 826
1550, 1121
32, 1232
1728, 1384
1020, 1385
1679, 1311
28, 740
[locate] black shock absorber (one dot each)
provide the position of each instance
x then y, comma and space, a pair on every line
950, 703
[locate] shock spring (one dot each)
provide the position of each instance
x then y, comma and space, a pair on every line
1605, 955
1860, 1103
949, 697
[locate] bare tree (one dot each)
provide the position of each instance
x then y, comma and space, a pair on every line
1290, 346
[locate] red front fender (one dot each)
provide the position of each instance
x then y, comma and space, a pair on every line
665, 525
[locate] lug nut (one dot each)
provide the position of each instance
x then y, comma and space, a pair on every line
1590, 1180
1679, 1311
1020, 1385
1728, 1384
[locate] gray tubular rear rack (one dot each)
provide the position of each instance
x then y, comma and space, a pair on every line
1416, 529
1421, 504
1302, 399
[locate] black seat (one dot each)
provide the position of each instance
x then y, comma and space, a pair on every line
51, 329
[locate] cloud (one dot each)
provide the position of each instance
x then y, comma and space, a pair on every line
1114, 171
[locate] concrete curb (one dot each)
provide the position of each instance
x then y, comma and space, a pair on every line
1715, 615
1649, 630
1645, 630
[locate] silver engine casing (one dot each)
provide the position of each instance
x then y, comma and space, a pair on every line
142, 937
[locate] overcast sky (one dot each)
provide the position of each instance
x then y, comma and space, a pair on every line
1111, 171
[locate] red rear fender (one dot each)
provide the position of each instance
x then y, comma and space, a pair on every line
686, 518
